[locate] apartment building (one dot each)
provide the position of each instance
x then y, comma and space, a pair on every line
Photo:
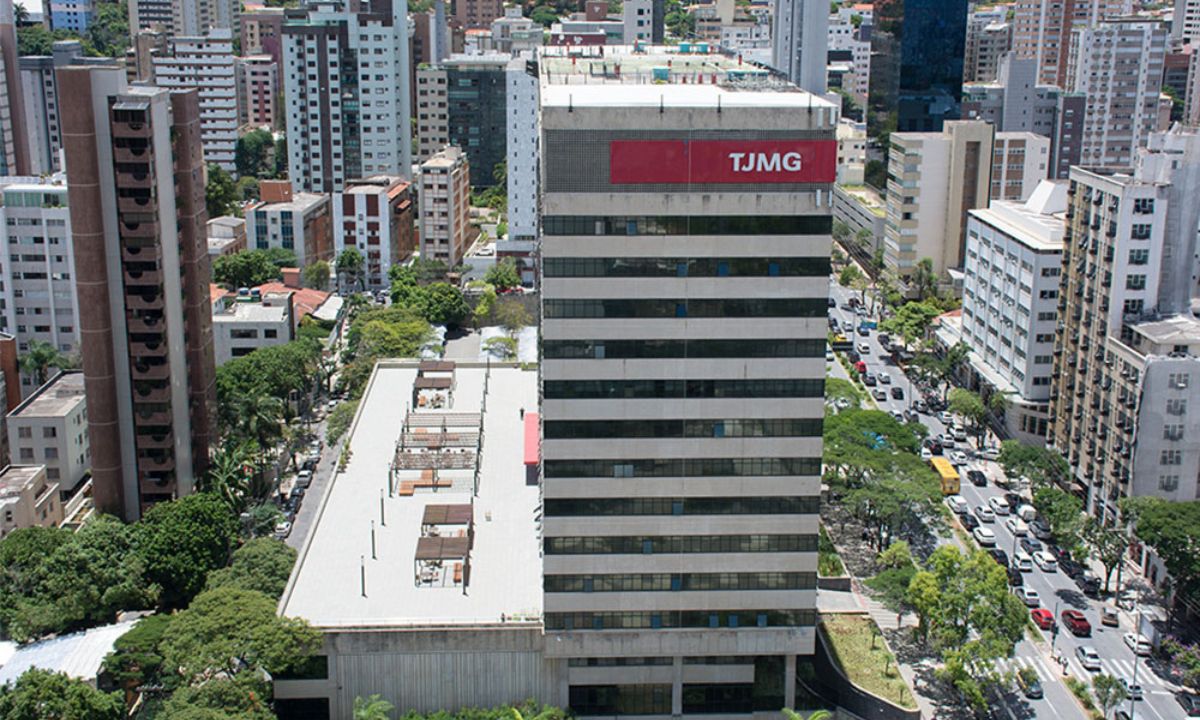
445, 205
28, 499
515, 33
478, 13
50, 428
988, 38
1185, 24
261, 32
37, 267
249, 319
296, 221
643, 21
685, 249
207, 65
187, 18
933, 180
345, 75
1127, 333
44, 134
1042, 31
258, 92
522, 167
1118, 67
1020, 160
800, 43
14, 159
852, 152
226, 236
850, 44
72, 15
1010, 303
377, 217
142, 274
463, 101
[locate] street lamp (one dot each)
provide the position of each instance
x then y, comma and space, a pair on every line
1137, 637
1054, 628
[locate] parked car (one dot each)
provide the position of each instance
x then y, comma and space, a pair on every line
960, 433
1031, 545
1022, 561
859, 366
984, 536
1013, 499
1070, 568
969, 521
1075, 621
990, 453
1132, 689
282, 530
869, 379
1017, 527
1089, 584
1043, 618
926, 453
1029, 596
879, 393
977, 478
897, 393
998, 555
958, 458
1108, 617
304, 478
946, 418
1045, 561
1015, 578
985, 514
1139, 644
1088, 657
1040, 530
947, 440
1190, 703
998, 505
885, 379
1027, 680
957, 504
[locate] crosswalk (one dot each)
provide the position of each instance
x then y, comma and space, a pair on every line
1047, 670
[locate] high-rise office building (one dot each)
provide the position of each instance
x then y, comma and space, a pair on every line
462, 102
1042, 31
207, 65
1118, 67
1127, 342
800, 43
345, 77
685, 250
917, 49
136, 193
44, 134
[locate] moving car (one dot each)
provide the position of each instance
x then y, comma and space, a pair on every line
898, 393
926, 453
1015, 578
864, 348
878, 393
1076, 623
1028, 596
946, 418
1016, 526
947, 440
999, 556
1022, 561
1132, 689
984, 536
957, 504
1031, 546
958, 458
1043, 618
1088, 657
1108, 616
960, 433
1139, 644
998, 505
1027, 680
977, 478
1040, 530
969, 521
1045, 561
1190, 703
985, 514
869, 379
885, 379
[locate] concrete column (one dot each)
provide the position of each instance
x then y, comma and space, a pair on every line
677, 688
789, 681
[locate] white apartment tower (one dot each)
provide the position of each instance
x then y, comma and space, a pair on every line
346, 78
1042, 31
685, 259
207, 64
182, 17
445, 202
522, 158
1118, 66
800, 43
1185, 25
42, 120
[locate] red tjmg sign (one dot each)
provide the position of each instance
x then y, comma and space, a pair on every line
633, 162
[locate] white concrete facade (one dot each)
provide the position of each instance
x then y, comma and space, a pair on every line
245, 323
51, 428
1020, 161
800, 37
207, 64
522, 153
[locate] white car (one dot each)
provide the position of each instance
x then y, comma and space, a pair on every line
1028, 596
1132, 689
1088, 657
282, 530
1045, 561
1138, 644
303, 478
1022, 561
947, 440
999, 505
926, 454
960, 434
1017, 527
984, 536
885, 379
990, 453
946, 418
957, 504
864, 348
958, 458
985, 514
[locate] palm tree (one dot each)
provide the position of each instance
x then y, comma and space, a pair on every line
40, 357
260, 418
791, 714
226, 477
372, 708
20, 15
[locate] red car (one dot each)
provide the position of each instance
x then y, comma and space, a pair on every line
860, 366
1043, 618
1076, 623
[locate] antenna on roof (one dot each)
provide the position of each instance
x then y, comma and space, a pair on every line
660, 104
718, 103
362, 575
570, 103
373, 557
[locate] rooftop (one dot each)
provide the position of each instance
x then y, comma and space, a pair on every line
1173, 330
59, 396
677, 96
15, 478
78, 655
306, 301
375, 185
300, 202
272, 307
429, 568
1039, 222
445, 158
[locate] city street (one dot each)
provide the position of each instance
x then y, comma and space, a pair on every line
1056, 591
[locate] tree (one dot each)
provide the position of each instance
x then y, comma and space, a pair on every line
924, 280
22, 556
340, 419
838, 389
226, 476
39, 358
1108, 545
544, 16
791, 714
969, 405
252, 154
262, 564
503, 348
350, 265
220, 192
316, 275
1040, 465
849, 275
373, 708
281, 158
898, 555
924, 596
512, 316
43, 695
230, 630
37, 40
911, 321
108, 31
442, 304
243, 697
840, 230
1109, 692
503, 274
281, 257
181, 541
1173, 530
135, 660
248, 268
483, 306
1063, 512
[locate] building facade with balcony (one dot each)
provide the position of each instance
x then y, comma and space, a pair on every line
206, 64
28, 499
50, 428
376, 216
445, 204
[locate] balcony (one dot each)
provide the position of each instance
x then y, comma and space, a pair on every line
134, 180
150, 301
158, 441
144, 277
156, 486
150, 371
148, 349
139, 204
160, 418
140, 230
131, 130
145, 324
131, 154
164, 463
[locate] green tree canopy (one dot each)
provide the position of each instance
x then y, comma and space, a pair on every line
220, 193
1063, 512
248, 268
262, 564
442, 304
253, 154
848, 275
503, 274
911, 321
43, 695
316, 275
39, 358
1173, 530
350, 265
181, 541
243, 697
372, 708
1041, 465
135, 660
969, 405
512, 315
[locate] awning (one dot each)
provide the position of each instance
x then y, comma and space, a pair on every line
458, 514
443, 548
531, 439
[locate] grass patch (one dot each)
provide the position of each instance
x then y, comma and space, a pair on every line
859, 650
828, 562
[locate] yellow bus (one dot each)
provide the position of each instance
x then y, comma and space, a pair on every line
948, 475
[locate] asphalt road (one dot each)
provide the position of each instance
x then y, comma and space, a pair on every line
1056, 591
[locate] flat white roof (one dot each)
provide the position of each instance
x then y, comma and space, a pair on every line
505, 561
613, 95
1036, 223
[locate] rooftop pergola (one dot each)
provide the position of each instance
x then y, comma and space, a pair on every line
434, 554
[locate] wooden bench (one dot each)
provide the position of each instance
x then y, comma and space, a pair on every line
458, 573
408, 488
